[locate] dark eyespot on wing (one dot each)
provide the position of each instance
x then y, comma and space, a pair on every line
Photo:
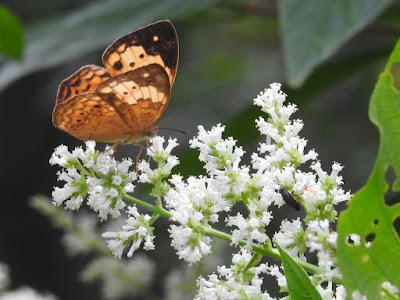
118, 65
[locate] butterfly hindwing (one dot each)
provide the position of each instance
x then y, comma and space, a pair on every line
90, 117
140, 96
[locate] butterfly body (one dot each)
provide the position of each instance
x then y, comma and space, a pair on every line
122, 102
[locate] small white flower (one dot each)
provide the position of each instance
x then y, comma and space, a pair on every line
157, 151
136, 230
105, 201
60, 156
281, 279
117, 180
190, 245
248, 229
157, 145
288, 237
317, 168
75, 190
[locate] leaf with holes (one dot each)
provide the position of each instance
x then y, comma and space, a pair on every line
299, 284
377, 258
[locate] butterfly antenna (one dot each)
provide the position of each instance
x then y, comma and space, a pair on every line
173, 129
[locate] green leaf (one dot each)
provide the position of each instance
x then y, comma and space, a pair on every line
313, 30
366, 266
299, 284
11, 35
60, 39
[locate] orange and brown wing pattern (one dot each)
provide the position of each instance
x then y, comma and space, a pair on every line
90, 117
122, 102
156, 43
139, 97
85, 80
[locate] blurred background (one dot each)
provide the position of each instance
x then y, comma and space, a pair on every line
327, 55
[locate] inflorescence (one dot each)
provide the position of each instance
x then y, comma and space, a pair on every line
196, 203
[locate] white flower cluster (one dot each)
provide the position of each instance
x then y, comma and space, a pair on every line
165, 162
275, 166
292, 238
322, 240
136, 230
236, 282
196, 203
95, 175
104, 182
193, 204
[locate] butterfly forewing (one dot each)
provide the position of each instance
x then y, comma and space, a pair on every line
153, 44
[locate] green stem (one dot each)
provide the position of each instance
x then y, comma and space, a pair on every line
78, 165
155, 208
222, 235
253, 262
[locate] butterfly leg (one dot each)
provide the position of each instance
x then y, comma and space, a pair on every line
113, 148
138, 156
148, 146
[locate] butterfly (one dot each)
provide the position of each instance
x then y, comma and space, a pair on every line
122, 102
